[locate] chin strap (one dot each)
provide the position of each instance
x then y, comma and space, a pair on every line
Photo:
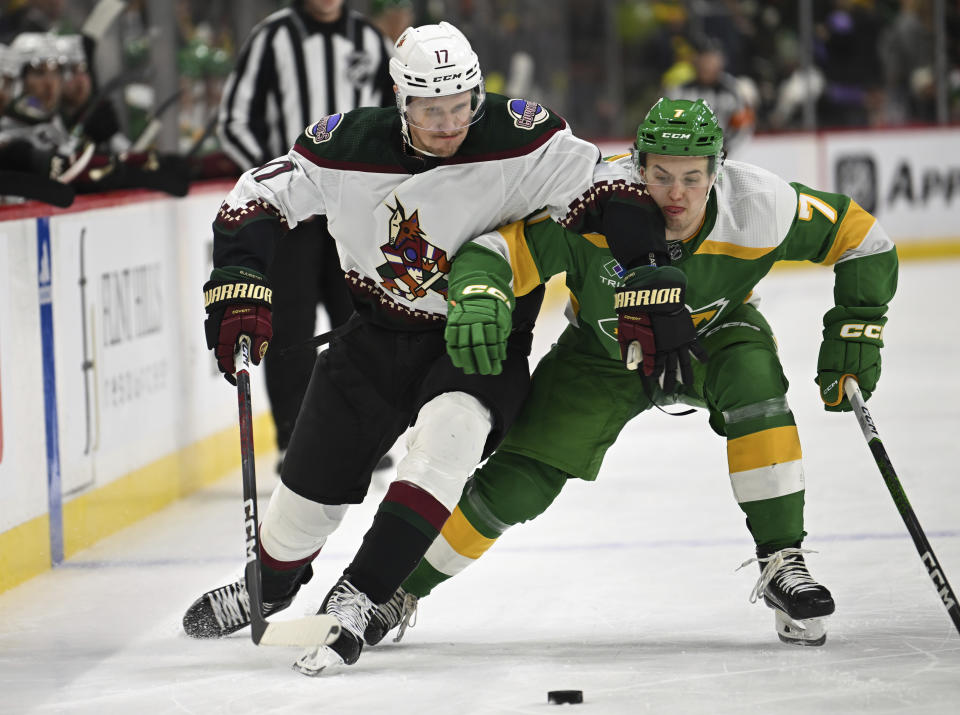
408, 144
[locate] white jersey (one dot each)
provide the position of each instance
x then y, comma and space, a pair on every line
399, 220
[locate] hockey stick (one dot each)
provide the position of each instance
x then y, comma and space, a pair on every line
153, 126
310, 631
872, 436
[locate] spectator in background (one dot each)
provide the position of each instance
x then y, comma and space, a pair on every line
8, 77
907, 54
847, 53
32, 115
309, 60
799, 86
33, 138
37, 141
78, 102
721, 90
391, 17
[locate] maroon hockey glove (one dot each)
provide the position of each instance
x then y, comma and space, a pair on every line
655, 330
237, 301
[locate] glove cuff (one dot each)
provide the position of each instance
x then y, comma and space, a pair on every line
235, 284
488, 276
642, 275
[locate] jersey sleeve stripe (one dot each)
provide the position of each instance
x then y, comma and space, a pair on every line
597, 239
853, 229
343, 165
526, 276
721, 248
513, 153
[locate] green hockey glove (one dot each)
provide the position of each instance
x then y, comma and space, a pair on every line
850, 348
478, 325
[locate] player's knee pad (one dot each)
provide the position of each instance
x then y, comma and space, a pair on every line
445, 445
509, 489
294, 527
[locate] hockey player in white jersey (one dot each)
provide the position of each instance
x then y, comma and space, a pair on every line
401, 193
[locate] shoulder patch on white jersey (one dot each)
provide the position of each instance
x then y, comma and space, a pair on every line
526, 114
322, 130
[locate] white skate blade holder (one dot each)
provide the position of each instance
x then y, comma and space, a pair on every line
317, 660
807, 632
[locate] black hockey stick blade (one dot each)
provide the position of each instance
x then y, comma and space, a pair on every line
310, 631
870, 433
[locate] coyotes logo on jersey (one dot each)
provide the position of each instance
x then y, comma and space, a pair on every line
414, 265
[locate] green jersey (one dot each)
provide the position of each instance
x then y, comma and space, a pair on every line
753, 219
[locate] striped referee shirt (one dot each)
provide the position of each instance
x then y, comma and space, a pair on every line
294, 70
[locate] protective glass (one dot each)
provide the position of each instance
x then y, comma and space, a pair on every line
449, 113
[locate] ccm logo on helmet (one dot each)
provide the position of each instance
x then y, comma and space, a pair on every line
856, 330
447, 77
627, 298
490, 290
675, 135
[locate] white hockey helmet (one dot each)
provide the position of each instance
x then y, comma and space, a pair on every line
436, 61
35, 49
70, 48
9, 68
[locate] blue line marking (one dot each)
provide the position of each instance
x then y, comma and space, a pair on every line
54, 488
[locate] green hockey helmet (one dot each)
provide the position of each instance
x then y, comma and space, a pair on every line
680, 127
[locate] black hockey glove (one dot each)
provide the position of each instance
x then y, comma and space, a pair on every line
237, 301
655, 330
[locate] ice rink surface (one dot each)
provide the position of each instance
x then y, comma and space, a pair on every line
625, 589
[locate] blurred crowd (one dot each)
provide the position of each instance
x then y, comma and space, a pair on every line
601, 64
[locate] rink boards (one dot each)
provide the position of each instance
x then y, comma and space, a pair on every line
110, 404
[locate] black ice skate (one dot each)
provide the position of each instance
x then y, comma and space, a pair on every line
400, 610
353, 609
224, 610
800, 603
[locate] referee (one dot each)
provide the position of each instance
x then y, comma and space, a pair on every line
301, 63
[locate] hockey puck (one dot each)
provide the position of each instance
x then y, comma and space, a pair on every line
561, 697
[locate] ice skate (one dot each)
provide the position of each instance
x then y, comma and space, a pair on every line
224, 610
800, 604
353, 609
400, 610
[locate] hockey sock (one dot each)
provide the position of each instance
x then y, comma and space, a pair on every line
509, 489
407, 521
776, 523
766, 473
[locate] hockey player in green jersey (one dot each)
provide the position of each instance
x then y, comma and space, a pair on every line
726, 225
